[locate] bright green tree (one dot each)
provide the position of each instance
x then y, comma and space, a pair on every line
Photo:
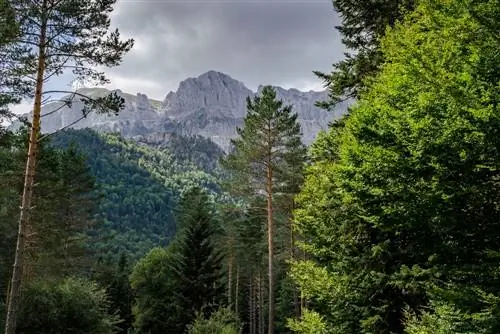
154, 287
222, 321
407, 199
265, 158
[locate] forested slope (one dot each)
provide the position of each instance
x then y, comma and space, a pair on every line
138, 185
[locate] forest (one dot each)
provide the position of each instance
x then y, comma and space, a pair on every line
388, 223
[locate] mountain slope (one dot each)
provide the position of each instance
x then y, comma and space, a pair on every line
140, 185
211, 105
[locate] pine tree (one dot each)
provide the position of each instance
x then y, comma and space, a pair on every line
54, 36
364, 23
10, 90
269, 144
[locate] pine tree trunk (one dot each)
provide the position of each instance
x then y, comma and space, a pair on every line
24, 218
237, 290
230, 279
270, 233
260, 293
258, 296
251, 306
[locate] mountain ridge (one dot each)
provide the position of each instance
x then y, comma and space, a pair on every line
211, 105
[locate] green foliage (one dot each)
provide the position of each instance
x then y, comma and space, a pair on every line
68, 306
154, 285
197, 265
364, 23
76, 37
138, 186
266, 164
222, 321
407, 197
114, 277
270, 138
64, 205
172, 285
310, 323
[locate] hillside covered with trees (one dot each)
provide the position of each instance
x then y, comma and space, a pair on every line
388, 223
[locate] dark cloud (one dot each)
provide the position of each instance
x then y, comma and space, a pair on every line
256, 41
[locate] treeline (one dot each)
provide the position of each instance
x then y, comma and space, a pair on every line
388, 223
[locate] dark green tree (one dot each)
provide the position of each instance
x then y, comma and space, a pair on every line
114, 277
176, 284
152, 280
53, 36
363, 24
198, 262
407, 201
266, 159
66, 306
65, 207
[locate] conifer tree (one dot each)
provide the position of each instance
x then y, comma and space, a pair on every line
54, 36
269, 145
404, 208
364, 23
176, 284
198, 262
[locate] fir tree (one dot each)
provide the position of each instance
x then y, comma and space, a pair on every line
198, 263
53, 36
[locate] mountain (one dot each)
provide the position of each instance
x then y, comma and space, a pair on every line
211, 105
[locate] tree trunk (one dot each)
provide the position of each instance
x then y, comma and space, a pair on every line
24, 218
237, 290
230, 279
251, 305
270, 246
260, 293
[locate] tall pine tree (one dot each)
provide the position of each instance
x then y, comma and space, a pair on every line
54, 36
269, 145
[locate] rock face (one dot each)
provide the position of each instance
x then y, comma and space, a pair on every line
211, 105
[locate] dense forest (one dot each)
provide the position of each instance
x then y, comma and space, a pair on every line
388, 223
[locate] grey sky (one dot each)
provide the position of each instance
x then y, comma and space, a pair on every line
278, 42
256, 41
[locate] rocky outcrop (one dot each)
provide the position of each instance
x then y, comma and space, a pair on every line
211, 105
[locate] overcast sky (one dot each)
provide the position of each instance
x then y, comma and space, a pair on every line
278, 42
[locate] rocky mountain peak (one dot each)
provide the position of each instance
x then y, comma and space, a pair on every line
211, 105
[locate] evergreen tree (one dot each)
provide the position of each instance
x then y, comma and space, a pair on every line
10, 89
268, 146
176, 284
364, 23
198, 264
406, 202
53, 36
